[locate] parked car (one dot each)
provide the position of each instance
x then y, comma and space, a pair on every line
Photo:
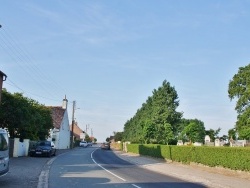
105, 145
43, 148
90, 143
83, 144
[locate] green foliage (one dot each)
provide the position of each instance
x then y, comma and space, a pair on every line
133, 148
239, 88
166, 134
118, 136
195, 131
232, 134
87, 138
227, 157
213, 134
157, 120
181, 153
24, 117
192, 130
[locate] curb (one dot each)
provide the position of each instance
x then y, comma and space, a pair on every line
43, 181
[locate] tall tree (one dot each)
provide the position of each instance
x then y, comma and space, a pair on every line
239, 88
157, 114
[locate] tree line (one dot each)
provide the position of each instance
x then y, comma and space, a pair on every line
157, 121
24, 117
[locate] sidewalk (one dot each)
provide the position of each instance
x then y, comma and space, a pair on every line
208, 176
25, 171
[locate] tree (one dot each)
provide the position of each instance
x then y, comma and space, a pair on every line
87, 138
224, 137
149, 132
118, 136
24, 117
156, 114
194, 131
213, 134
107, 139
239, 88
166, 134
232, 134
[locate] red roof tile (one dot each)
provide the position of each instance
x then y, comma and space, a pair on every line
57, 115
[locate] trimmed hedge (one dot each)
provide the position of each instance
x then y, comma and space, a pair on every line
228, 157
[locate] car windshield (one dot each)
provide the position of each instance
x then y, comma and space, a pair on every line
3, 142
44, 143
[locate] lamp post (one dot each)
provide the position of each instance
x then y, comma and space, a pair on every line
2, 78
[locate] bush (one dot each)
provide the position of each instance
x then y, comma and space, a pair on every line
228, 157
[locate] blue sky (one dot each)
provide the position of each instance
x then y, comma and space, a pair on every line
109, 55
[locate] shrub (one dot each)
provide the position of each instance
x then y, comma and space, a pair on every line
228, 157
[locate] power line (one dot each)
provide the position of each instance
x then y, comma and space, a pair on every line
26, 92
21, 57
29, 60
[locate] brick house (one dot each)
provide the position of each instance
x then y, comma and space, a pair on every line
78, 133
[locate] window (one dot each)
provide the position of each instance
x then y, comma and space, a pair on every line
3, 141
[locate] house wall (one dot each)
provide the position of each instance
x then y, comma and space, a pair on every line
64, 134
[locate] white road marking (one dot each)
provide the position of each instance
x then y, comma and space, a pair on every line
105, 168
136, 186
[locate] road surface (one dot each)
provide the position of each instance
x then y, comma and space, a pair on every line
94, 167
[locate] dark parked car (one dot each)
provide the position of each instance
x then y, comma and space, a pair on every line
105, 145
43, 148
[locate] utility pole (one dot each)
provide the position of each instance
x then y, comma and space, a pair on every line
87, 127
73, 123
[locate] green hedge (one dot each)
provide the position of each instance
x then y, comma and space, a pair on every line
228, 157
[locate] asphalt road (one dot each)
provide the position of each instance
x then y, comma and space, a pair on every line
93, 167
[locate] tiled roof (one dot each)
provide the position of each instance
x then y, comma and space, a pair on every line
57, 115
77, 130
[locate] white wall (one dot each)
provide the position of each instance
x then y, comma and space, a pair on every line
21, 148
64, 134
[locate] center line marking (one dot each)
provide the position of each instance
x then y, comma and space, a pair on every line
105, 168
136, 186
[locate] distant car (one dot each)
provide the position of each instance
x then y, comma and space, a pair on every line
43, 148
83, 144
90, 143
105, 145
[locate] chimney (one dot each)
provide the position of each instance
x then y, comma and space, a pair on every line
2, 78
65, 103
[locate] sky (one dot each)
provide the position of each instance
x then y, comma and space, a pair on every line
110, 55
